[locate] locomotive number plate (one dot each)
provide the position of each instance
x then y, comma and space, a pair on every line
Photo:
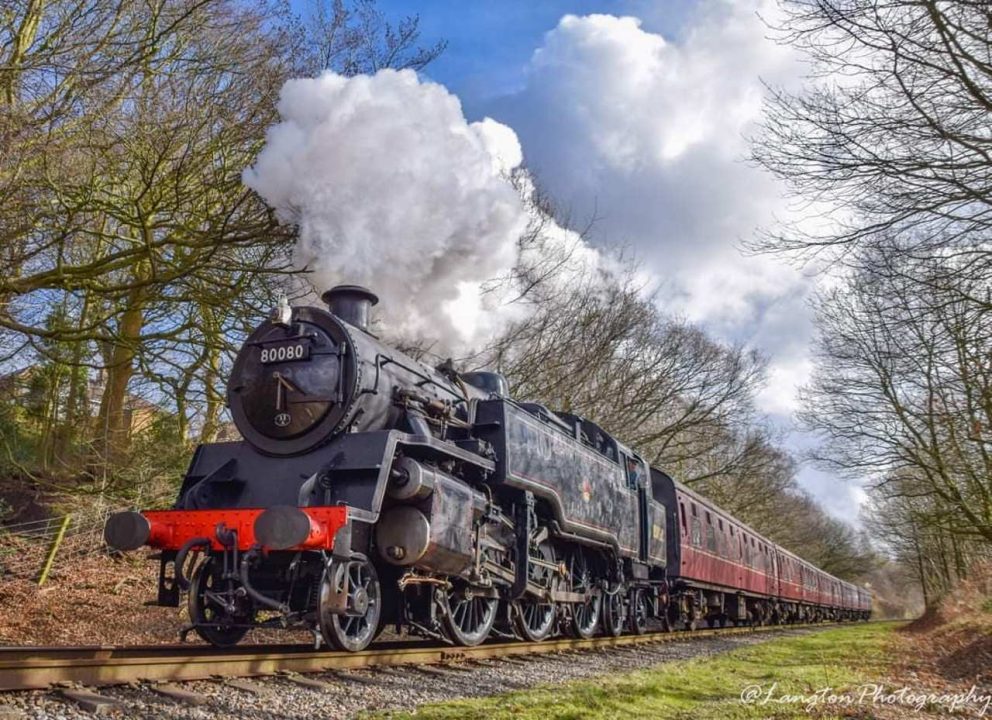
285, 352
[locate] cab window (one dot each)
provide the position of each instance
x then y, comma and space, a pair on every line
635, 470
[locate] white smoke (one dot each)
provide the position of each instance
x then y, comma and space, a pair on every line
392, 188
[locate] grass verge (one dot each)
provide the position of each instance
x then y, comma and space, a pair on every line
705, 687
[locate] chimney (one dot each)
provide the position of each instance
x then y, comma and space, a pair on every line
351, 303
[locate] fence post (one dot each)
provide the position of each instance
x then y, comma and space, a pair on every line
53, 550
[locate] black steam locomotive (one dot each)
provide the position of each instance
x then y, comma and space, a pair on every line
371, 489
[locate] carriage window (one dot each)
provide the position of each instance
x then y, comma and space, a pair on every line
710, 536
685, 529
695, 512
697, 532
720, 524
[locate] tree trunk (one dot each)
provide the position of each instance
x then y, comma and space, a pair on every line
113, 430
77, 407
215, 399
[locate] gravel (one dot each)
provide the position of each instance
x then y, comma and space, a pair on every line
351, 692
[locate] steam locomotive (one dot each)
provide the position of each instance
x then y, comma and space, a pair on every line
373, 490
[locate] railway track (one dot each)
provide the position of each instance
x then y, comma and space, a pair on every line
35, 668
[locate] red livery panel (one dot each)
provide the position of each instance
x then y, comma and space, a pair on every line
171, 529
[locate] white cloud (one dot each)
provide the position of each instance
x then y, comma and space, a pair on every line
840, 497
653, 134
784, 376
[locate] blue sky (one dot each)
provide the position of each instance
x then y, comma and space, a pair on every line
490, 42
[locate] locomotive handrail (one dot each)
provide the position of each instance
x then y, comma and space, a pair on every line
425, 378
302, 336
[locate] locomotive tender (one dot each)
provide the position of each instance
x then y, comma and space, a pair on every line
371, 489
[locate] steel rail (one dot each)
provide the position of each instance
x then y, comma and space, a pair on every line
34, 668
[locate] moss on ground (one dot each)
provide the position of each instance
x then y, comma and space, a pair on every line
706, 687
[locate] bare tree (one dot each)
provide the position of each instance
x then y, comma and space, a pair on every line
890, 135
356, 38
922, 532
135, 187
903, 385
892, 127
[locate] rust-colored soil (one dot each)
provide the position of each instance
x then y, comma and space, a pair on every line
949, 649
98, 600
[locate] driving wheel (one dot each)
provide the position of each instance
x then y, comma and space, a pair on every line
350, 605
534, 618
468, 617
615, 611
585, 615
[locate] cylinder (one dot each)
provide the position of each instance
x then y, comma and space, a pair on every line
410, 481
351, 303
403, 535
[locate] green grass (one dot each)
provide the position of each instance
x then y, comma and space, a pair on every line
707, 687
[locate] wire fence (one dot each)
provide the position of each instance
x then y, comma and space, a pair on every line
27, 548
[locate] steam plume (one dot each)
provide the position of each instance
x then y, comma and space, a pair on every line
392, 188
